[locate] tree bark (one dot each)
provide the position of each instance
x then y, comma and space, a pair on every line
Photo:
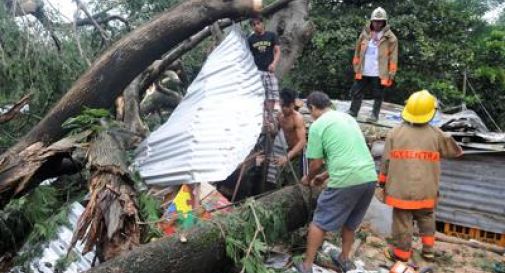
159, 100
127, 58
132, 118
294, 29
204, 250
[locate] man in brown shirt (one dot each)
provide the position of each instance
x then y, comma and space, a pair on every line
410, 174
292, 124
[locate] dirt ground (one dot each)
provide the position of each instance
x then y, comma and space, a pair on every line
451, 258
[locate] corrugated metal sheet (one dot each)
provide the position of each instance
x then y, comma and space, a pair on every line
214, 127
472, 192
57, 249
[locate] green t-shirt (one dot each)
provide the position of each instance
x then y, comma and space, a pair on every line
337, 138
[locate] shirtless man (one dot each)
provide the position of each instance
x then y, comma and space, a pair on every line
292, 124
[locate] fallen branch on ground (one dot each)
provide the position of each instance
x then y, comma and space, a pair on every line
471, 243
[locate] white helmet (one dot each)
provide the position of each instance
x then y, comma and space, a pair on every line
379, 14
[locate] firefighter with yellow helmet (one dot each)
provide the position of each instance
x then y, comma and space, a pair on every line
410, 172
375, 62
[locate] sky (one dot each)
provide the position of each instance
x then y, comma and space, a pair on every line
492, 15
65, 7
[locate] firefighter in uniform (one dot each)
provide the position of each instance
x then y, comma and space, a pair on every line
375, 63
410, 172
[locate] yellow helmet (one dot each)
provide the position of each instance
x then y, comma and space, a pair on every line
379, 14
420, 108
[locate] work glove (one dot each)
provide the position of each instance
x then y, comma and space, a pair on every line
388, 83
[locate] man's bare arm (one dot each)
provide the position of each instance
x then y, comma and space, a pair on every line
277, 57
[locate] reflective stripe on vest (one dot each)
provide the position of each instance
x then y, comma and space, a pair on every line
393, 67
410, 204
413, 154
428, 240
382, 178
402, 254
386, 82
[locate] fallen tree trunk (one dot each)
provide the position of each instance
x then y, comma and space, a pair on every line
204, 250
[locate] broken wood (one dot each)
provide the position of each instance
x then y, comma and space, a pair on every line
204, 250
16, 176
15, 110
109, 221
471, 243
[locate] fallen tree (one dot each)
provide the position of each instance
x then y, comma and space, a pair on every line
205, 249
118, 66
127, 58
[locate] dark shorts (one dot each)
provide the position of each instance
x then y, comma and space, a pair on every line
343, 206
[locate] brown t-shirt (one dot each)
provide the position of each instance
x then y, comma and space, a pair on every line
411, 165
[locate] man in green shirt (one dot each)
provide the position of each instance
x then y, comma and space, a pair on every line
335, 140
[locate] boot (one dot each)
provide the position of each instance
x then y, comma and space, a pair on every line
376, 110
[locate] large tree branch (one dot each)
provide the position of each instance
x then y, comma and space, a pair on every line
101, 20
15, 109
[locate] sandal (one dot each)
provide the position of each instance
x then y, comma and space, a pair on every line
343, 266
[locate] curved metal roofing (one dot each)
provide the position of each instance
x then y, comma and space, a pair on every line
215, 126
